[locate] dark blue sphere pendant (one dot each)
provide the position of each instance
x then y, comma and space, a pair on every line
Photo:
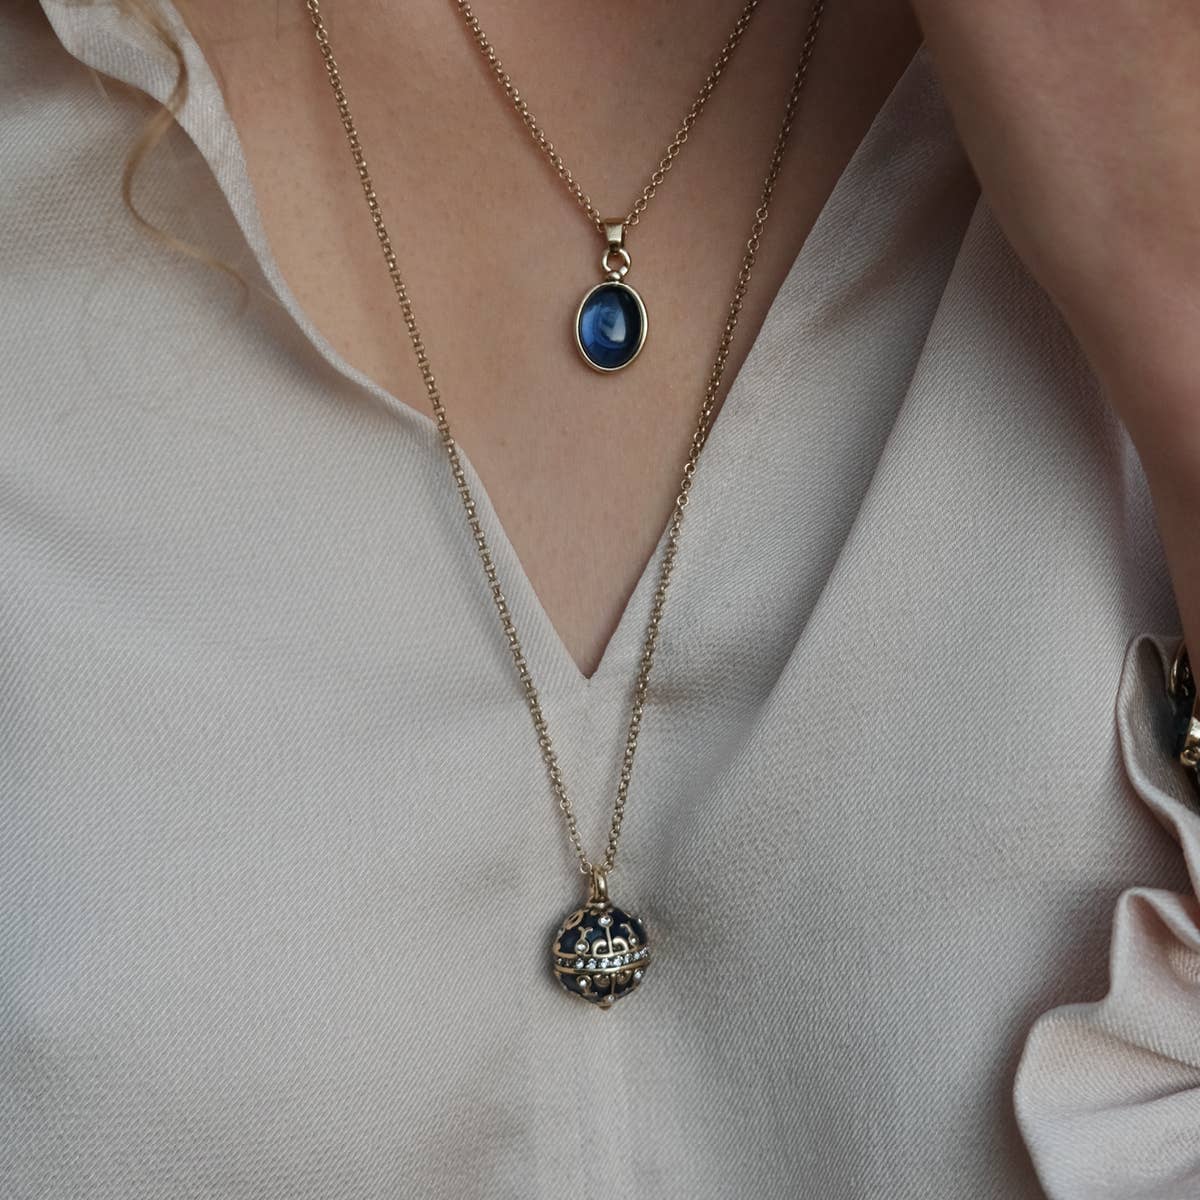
600, 952
610, 325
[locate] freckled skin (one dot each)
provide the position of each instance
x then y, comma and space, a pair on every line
581, 465
1083, 122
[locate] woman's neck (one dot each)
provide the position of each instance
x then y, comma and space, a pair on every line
582, 468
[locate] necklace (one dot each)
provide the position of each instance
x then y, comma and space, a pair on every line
610, 323
599, 952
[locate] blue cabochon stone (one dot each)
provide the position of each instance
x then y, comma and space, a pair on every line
610, 326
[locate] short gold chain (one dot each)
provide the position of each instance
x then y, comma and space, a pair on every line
699, 437
546, 146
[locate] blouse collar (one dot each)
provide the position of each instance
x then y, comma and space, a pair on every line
99, 36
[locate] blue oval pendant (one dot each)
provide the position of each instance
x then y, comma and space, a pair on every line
610, 326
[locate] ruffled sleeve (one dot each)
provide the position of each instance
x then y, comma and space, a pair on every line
1108, 1094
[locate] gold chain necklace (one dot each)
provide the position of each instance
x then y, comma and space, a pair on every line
599, 952
611, 322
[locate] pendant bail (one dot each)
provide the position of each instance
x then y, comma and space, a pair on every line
614, 232
598, 888
614, 235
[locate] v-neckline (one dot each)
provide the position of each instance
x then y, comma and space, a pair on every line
96, 35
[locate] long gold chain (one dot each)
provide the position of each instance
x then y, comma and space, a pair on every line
699, 437
555, 159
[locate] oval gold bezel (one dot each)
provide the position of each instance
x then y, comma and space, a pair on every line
611, 283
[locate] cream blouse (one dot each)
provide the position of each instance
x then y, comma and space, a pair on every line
279, 868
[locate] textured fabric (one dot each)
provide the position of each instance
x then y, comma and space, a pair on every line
1108, 1091
278, 865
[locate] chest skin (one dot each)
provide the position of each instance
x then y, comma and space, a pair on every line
582, 468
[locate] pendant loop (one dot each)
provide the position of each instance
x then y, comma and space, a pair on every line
614, 235
598, 891
619, 271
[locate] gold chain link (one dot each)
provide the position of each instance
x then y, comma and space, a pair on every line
699, 437
546, 146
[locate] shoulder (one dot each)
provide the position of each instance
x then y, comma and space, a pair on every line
64, 135
48, 97
81, 284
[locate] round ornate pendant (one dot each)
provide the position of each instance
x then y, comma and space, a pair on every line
600, 952
610, 326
